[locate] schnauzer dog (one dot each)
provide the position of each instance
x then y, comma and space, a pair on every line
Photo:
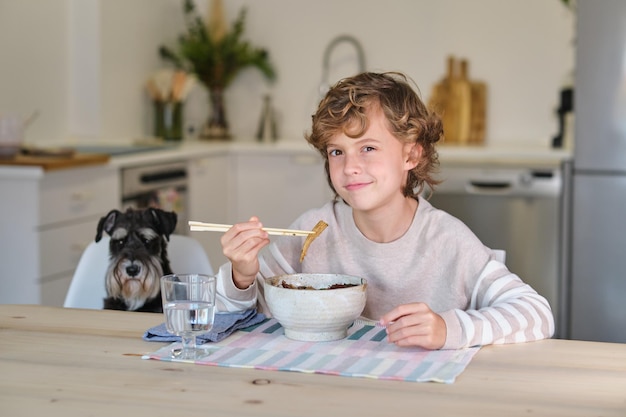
138, 257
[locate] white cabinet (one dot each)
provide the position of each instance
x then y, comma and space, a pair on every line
278, 187
208, 190
235, 185
48, 218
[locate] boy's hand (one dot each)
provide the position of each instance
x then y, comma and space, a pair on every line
415, 325
241, 244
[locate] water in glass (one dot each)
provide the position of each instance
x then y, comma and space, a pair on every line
189, 309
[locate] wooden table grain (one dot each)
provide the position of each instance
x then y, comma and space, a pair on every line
73, 362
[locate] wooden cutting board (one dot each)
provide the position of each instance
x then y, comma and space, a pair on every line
461, 103
49, 163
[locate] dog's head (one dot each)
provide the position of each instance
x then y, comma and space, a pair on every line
138, 254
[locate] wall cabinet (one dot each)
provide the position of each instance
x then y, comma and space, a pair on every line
47, 221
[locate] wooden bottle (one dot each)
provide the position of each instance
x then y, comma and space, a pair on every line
462, 101
478, 108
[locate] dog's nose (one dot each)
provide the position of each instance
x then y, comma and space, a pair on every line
132, 270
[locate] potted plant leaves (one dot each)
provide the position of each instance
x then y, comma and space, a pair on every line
216, 56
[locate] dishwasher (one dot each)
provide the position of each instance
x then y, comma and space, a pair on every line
516, 209
162, 185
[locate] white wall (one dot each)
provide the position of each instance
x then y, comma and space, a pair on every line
523, 50
34, 63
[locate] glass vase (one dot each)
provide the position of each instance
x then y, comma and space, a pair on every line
168, 120
217, 125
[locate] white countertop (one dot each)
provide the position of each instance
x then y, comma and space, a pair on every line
198, 149
458, 155
502, 155
447, 154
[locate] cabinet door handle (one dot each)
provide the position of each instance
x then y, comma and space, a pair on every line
489, 187
200, 162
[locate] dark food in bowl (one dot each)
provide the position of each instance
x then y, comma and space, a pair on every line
308, 287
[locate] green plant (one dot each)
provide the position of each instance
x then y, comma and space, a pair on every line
215, 60
216, 56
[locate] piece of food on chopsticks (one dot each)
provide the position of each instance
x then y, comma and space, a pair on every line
317, 230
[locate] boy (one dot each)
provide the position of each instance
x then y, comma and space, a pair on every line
431, 281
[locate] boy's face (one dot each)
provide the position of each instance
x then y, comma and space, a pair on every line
369, 172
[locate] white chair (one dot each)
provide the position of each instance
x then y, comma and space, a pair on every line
87, 289
500, 255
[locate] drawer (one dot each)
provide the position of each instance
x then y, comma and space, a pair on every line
70, 194
61, 248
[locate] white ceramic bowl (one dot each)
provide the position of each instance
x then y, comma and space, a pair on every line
316, 314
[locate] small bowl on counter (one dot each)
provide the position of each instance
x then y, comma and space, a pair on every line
12, 129
11, 136
315, 307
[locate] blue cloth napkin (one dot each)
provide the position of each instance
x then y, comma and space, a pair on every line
223, 326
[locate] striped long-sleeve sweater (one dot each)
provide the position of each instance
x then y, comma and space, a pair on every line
438, 261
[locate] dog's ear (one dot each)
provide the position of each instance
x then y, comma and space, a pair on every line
164, 221
106, 223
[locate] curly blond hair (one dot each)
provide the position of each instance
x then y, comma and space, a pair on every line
344, 111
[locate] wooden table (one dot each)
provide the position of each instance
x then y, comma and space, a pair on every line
71, 362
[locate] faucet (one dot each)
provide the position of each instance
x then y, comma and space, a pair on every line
325, 85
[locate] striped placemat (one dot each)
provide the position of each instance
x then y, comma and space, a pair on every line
364, 353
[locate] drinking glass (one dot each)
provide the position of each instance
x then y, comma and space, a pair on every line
189, 308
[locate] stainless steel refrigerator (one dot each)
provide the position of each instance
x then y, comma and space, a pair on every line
597, 221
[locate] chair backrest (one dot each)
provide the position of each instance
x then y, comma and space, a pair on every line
500, 255
87, 289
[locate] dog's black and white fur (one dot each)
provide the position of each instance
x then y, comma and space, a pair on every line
138, 257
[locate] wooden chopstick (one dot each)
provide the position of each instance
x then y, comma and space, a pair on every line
214, 227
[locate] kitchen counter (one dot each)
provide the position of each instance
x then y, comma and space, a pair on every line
56, 210
505, 156
447, 154
197, 149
